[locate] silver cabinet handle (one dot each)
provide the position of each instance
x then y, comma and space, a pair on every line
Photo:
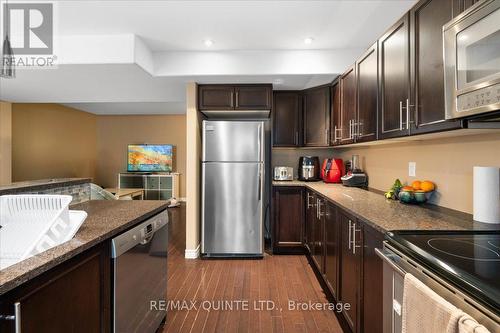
350, 231
259, 189
354, 230
350, 129
237, 97
327, 131
408, 119
309, 205
360, 124
16, 317
320, 214
400, 115
317, 206
335, 137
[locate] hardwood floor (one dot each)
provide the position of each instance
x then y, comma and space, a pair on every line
215, 285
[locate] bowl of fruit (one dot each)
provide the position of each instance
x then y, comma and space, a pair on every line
419, 192
416, 193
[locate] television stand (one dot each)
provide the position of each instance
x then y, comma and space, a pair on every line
156, 186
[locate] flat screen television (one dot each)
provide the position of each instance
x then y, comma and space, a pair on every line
150, 158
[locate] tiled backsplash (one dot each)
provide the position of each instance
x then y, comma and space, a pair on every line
80, 192
78, 188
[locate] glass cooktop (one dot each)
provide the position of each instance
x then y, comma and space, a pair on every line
468, 259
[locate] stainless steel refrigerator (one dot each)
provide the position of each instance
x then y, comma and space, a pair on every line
233, 188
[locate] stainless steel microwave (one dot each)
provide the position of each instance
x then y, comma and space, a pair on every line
472, 61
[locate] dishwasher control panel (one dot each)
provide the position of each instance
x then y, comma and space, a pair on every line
127, 240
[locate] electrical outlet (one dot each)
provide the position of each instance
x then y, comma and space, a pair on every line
412, 169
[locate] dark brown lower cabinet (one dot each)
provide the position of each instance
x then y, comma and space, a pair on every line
73, 297
319, 234
310, 221
350, 268
372, 316
288, 213
331, 248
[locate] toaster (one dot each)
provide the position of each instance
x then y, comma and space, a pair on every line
283, 173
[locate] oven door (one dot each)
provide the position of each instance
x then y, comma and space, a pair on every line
472, 61
397, 265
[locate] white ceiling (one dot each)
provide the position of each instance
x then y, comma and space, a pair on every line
144, 52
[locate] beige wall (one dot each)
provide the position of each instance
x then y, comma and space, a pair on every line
447, 161
193, 177
51, 140
114, 133
5, 143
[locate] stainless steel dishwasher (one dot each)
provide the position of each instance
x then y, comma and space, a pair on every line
139, 259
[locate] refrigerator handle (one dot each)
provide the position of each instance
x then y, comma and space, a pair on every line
259, 188
259, 142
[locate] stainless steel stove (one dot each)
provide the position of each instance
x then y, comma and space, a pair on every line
461, 266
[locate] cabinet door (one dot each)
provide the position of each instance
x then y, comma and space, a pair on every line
372, 281
215, 97
348, 105
254, 97
286, 119
310, 221
335, 123
73, 297
426, 20
319, 235
288, 218
317, 117
394, 76
331, 248
350, 267
367, 95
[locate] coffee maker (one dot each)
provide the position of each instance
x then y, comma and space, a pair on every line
355, 177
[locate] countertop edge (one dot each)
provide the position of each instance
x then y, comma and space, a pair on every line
36, 272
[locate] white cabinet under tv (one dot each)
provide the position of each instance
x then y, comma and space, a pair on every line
156, 186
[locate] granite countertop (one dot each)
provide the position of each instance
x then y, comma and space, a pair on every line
105, 220
385, 215
42, 184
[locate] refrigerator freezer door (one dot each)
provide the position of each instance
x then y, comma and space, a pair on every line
232, 208
233, 141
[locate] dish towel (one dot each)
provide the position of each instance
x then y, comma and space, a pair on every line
426, 311
466, 324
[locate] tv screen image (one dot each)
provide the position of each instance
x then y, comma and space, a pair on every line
150, 158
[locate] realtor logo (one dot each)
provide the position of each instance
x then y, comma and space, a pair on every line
31, 27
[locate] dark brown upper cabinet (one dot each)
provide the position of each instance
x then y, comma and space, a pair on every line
253, 97
335, 126
234, 97
394, 80
288, 219
287, 115
215, 97
348, 106
316, 103
367, 95
427, 74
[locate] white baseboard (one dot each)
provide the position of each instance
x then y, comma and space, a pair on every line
192, 253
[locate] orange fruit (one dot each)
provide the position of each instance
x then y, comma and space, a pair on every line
407, 188
416, 184
427, 186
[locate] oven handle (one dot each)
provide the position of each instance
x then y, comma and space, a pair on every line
386, 256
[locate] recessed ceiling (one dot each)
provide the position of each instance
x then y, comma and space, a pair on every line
146, 51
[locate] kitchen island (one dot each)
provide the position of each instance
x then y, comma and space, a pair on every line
70, 284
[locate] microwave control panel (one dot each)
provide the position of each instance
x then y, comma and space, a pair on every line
479, 98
